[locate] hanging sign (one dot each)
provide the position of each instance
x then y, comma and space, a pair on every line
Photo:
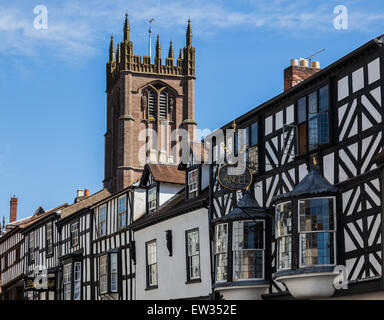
40, 283
238, 181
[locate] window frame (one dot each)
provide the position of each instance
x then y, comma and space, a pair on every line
77, 230
31, 248
226, 252
150, 286
100, 222
334, 231
47, 244
67, 280
103, 256
191, 169
154, 186
188, 260
122, 213
262, 250
77, 281
305, 124
289, 235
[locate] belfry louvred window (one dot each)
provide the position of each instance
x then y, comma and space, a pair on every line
157, 102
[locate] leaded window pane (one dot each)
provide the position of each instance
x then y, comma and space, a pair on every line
312, 102
193, 179
254, 134
301, 110
152, 201
324, 98
193, 245
317, 248
316, 214
283, 221
248, 264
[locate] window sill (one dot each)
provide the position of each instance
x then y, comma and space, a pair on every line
151, 288
191, 281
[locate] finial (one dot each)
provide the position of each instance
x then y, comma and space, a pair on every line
170, 52
118, 53
112, 50
126, 28
181, 54
189, 34
158, 47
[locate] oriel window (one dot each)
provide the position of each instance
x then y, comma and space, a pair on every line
221, 252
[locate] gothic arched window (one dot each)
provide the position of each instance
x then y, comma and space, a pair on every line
157, 102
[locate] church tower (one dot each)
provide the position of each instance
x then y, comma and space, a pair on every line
146, 102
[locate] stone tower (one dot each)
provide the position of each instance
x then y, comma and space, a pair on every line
144, 98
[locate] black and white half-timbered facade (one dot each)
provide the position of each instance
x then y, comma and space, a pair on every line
312, 152
12, 261
113, 246
76, 269
41, 249
302, 219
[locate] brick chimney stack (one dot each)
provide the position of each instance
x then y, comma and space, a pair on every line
13, 210
296, 73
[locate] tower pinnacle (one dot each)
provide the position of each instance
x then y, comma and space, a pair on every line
189, 34
170, 52
112, 50
127, 28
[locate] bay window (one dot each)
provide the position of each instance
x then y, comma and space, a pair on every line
221, 248
317, 231
109, 272
67, 283
283, 220
248, 250
77, 281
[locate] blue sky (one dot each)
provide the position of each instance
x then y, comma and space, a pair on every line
52, 82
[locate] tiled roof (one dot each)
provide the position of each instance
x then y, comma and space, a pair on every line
38, 216
85, 203
167, 173
173, 207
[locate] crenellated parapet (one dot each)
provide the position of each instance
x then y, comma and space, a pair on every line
122, 58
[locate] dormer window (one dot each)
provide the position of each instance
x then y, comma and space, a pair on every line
152, 199
193, 183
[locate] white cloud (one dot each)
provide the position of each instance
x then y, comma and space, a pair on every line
79, 28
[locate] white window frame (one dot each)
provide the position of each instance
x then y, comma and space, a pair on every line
238, 250
190, 256
221, 252
148, 266
114, 275
75, 231
194, 183
153, 208
49, 241
67, 281
103, 273
102, 223
301, 265
77, 281
277, 237
120, 212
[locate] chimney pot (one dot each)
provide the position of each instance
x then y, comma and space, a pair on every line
86, 193
294, 62
316, 64
80, 193
303, 62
